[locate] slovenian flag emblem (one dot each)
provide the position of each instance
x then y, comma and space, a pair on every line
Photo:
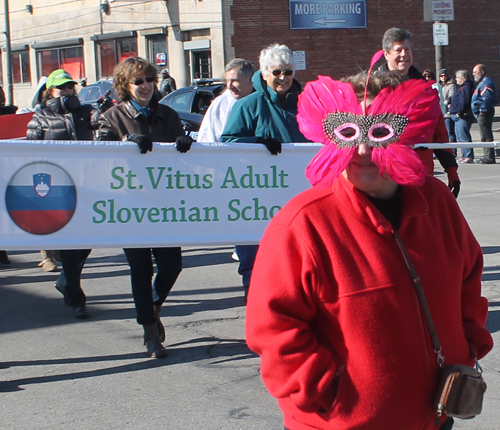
41, 198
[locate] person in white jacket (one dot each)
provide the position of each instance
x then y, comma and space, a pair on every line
238, 77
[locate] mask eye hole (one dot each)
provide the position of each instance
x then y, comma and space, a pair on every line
380, 132
348, 132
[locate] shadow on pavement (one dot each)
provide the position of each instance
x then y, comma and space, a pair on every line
190, 351
490, 249
493, 322
25, 310
177, 308
491, 273
211, 259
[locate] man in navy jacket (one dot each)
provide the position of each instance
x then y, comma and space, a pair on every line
483, 103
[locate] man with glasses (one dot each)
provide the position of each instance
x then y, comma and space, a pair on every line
266, 116
484, 99
397, 44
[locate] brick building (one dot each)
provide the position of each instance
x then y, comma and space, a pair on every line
473, 36
197, 37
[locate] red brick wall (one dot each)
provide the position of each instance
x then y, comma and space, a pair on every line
474, 36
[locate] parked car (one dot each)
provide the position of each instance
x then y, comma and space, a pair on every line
192, 102
91, 93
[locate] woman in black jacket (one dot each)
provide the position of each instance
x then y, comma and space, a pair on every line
139, 118
62, 117
461, 113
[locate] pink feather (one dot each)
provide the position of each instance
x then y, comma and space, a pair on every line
401, 163
327, 165
414, 99
318, 99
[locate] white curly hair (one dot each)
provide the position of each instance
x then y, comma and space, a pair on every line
276, 56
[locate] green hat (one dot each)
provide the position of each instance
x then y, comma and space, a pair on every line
58, 77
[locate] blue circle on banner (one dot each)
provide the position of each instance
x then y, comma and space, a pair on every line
41, 198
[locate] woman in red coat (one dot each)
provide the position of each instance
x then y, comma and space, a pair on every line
332, 310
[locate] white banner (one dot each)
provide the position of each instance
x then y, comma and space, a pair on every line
63, 195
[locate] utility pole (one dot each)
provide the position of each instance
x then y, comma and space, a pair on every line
8, 71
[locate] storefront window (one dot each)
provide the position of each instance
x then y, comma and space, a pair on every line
21, 67
114, 51
157, 51
69, 59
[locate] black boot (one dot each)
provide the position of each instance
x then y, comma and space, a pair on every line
152, 341
161, 328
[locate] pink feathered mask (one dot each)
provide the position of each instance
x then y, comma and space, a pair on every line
329, 112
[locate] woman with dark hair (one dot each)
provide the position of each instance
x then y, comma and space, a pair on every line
62, 117
141, 119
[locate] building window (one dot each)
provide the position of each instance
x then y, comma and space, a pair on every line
202, 64
69, 59
21, 67
157, 51
112, 52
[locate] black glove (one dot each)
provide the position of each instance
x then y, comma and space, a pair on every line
183, 143
104, 102
455, 188
273, 145
145, 143
70, 103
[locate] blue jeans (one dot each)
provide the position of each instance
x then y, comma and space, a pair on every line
462, 130
169, 264
450, 128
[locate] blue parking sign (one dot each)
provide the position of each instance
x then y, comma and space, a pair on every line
325, 14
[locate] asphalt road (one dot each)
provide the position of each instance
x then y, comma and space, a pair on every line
57, 372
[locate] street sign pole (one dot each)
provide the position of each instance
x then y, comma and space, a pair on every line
440, 39
440, 12
439, 53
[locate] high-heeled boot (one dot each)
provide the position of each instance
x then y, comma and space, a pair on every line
152, 341
161, 328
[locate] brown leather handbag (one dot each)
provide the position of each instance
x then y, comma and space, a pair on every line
460, 391
460, 388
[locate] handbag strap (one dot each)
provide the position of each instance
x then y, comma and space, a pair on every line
423, 301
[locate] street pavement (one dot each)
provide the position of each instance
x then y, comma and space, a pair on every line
57, 372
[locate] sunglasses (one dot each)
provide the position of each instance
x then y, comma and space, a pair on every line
140, 81
278, 72
66, 86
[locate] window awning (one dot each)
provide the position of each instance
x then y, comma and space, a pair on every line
112, 36
57, 44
